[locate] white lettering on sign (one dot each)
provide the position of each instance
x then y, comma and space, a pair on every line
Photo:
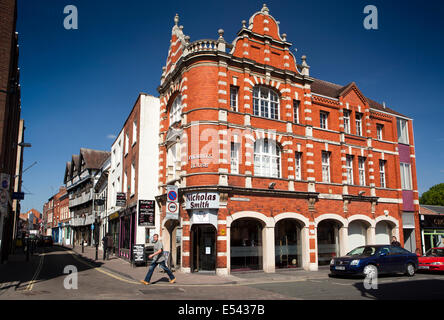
202, 200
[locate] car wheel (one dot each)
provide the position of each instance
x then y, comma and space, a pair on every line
410, 270
370, 271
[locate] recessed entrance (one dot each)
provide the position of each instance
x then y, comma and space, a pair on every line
288, 249
203, 244
246, 245
328, 241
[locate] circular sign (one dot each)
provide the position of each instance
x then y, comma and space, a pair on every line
5, 184
172, 207
172, 195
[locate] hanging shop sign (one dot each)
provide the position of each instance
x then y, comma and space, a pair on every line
146, 212
202, 200
121, 199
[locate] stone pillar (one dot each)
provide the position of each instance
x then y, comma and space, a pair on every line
371, 235
268, 248
343, 241
305, 247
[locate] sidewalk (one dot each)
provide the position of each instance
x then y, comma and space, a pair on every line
125, 269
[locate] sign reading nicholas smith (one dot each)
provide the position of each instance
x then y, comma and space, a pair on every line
202, 200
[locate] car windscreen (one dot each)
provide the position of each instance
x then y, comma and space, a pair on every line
435, 253
363, 251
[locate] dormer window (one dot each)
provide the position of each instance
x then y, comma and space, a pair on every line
265, 103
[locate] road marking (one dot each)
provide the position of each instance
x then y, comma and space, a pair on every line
102, 271
37, 272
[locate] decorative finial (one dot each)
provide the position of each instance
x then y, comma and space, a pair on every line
265, 9
221, 34
181, 28
176, 19
305, 67
244, 23
284, 36
187, 39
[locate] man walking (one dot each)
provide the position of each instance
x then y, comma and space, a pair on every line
107, 246
159, 259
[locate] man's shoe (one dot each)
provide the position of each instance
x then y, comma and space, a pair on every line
144, 282
172, 281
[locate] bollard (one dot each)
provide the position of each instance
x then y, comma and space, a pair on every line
83, 246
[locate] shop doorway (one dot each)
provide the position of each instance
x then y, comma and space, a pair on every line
246, 245
288, 248
203, 247
328, 241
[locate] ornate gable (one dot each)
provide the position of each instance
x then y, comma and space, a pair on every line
262, 42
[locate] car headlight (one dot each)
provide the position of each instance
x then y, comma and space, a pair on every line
332, 262
354, 262
437, 263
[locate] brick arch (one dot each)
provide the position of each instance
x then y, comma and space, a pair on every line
331, 216
361, 217
271, 84
292, 215
392, 221
268, 222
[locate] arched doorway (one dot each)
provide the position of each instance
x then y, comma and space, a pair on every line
246, 245
383, 232
203, 247
288, 245
328, 241
172, 240
357, 234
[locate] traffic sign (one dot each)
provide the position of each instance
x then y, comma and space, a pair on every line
172, 195
172, 207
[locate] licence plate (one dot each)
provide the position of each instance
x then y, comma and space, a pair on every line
340, 268
423, 267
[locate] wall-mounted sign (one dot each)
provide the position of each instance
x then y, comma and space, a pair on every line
172, 203
147, 210
202, 200
121, 199
198, 164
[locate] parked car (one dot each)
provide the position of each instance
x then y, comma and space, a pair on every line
47, 241
433, 260
369, 259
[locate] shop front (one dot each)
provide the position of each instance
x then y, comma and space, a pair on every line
432, 230
114, 230
202, 208
127, 232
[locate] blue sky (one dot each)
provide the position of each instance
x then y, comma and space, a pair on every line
78, 86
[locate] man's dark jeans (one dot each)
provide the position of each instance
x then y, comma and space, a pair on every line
153, 266
106, 252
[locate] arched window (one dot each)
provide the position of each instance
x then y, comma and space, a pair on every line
176, 110
267, 159
265, 103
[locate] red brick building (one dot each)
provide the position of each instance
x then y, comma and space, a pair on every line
275, 168
9, 116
